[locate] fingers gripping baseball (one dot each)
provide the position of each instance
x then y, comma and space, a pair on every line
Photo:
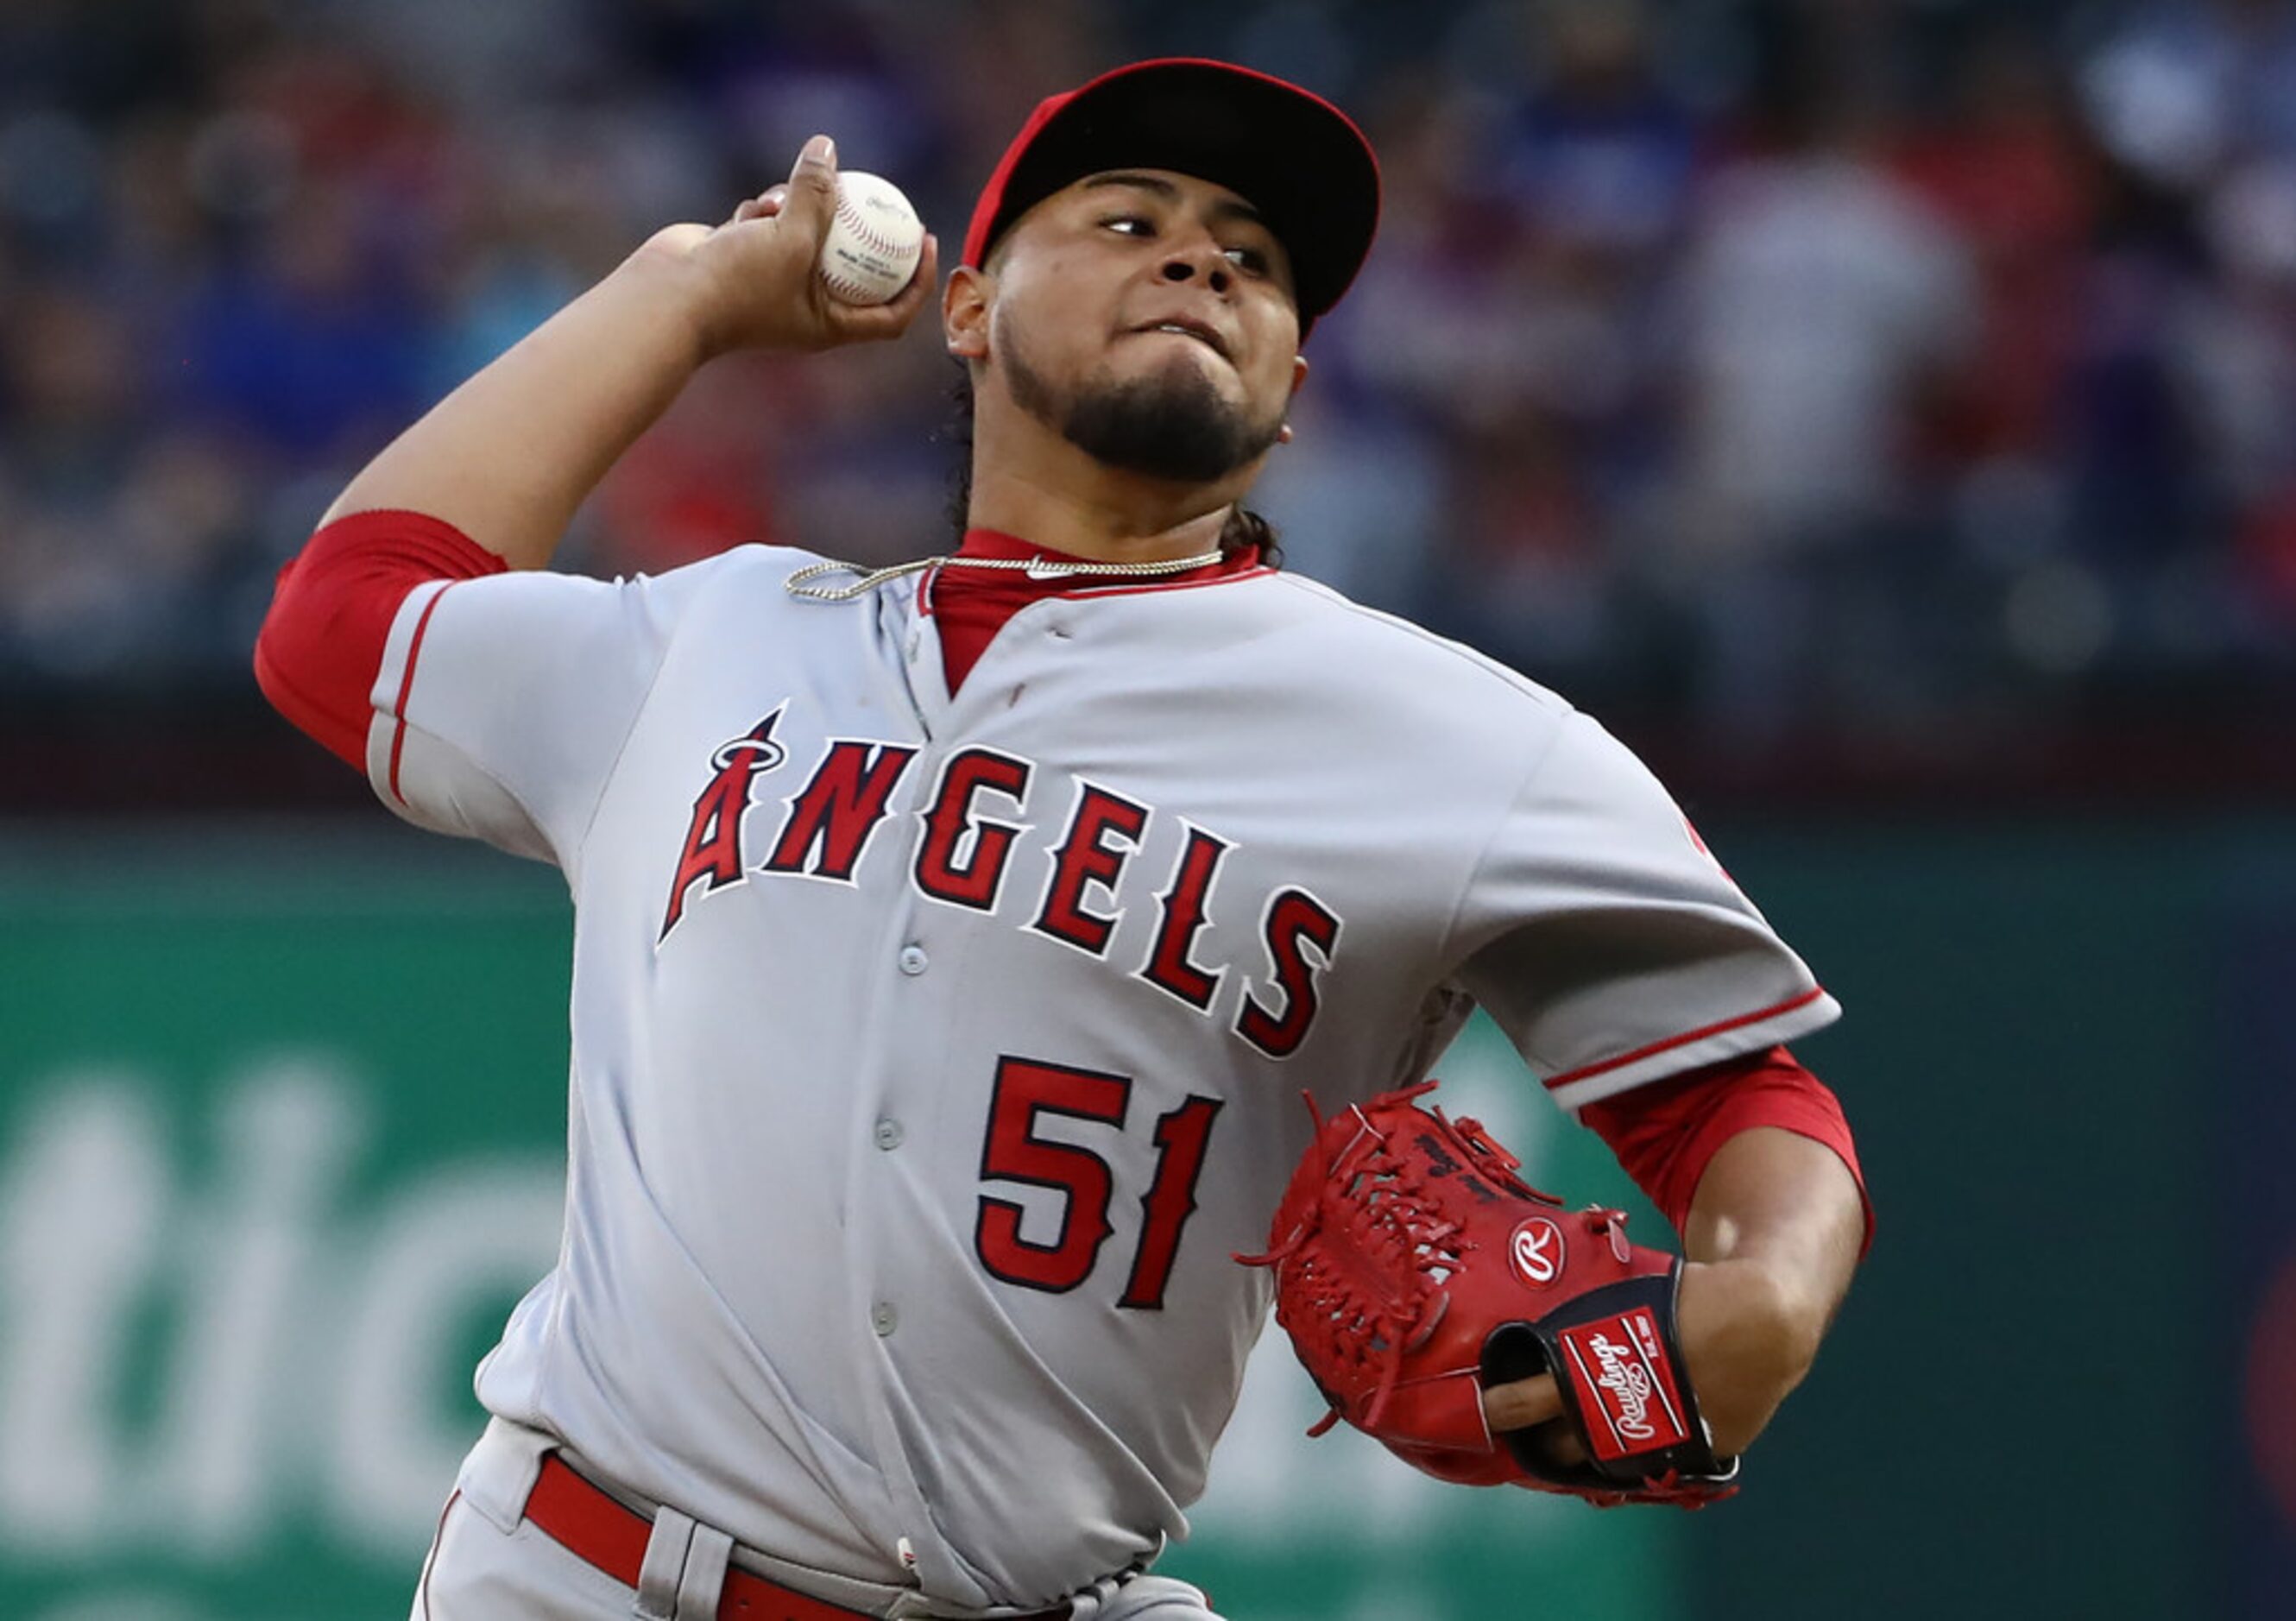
764, 205
754, 277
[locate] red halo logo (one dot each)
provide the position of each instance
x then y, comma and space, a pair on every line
1536, 1249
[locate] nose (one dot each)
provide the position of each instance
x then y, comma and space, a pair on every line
1204, 258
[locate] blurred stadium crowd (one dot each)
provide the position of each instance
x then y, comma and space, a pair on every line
1878, 379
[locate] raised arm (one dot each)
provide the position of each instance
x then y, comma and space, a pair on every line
508, 457
492, 475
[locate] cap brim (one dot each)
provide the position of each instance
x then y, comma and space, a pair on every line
1293, 156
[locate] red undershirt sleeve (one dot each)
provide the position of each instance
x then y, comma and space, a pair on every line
1666, 1133
322, 643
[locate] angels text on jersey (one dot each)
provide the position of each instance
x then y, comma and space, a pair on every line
977, 810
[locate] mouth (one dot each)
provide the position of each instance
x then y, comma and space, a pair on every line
1202, 331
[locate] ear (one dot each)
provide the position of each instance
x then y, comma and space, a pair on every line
1299, 381
964, 306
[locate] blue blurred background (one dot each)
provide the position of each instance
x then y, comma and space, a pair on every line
1881, 411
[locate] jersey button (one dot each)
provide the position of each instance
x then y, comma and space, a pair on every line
882, 1319
913, 961
889, 1134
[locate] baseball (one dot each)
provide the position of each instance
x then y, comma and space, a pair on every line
873, 243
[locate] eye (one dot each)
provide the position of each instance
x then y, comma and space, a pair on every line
1130, 225
1253, 261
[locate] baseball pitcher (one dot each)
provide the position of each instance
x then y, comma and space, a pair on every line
954, 944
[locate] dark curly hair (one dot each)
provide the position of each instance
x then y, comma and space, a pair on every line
1244, 529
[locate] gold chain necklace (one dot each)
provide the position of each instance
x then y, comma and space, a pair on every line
800, 584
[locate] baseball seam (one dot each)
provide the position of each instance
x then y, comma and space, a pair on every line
851, 218
867, 241
850, 290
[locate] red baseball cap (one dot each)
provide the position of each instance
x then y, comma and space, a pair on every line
1289, 153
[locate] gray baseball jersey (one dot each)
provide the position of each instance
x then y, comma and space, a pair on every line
932, 1055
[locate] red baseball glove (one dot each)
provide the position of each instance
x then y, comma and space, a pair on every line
1413, 1268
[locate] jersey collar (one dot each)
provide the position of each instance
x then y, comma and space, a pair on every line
996, 543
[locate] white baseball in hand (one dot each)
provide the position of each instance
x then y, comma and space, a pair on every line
874, 240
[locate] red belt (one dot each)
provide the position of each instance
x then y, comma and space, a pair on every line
588, 1522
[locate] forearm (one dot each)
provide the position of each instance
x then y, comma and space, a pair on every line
509, 455
1780, 1216
1781, 1200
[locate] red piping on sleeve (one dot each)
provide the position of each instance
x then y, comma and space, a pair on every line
1666, 1134
1684, 1040
405, 686
321, 644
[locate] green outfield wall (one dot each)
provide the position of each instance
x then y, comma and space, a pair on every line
281, 1123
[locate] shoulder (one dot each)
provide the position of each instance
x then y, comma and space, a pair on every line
743, 582
1393, 653
740, 568
732, 595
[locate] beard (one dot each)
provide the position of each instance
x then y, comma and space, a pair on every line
1169, 424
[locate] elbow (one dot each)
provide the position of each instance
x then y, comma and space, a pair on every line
274, 643
321, 644
310, 676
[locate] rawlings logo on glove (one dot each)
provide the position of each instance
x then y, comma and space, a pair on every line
1413, 1269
